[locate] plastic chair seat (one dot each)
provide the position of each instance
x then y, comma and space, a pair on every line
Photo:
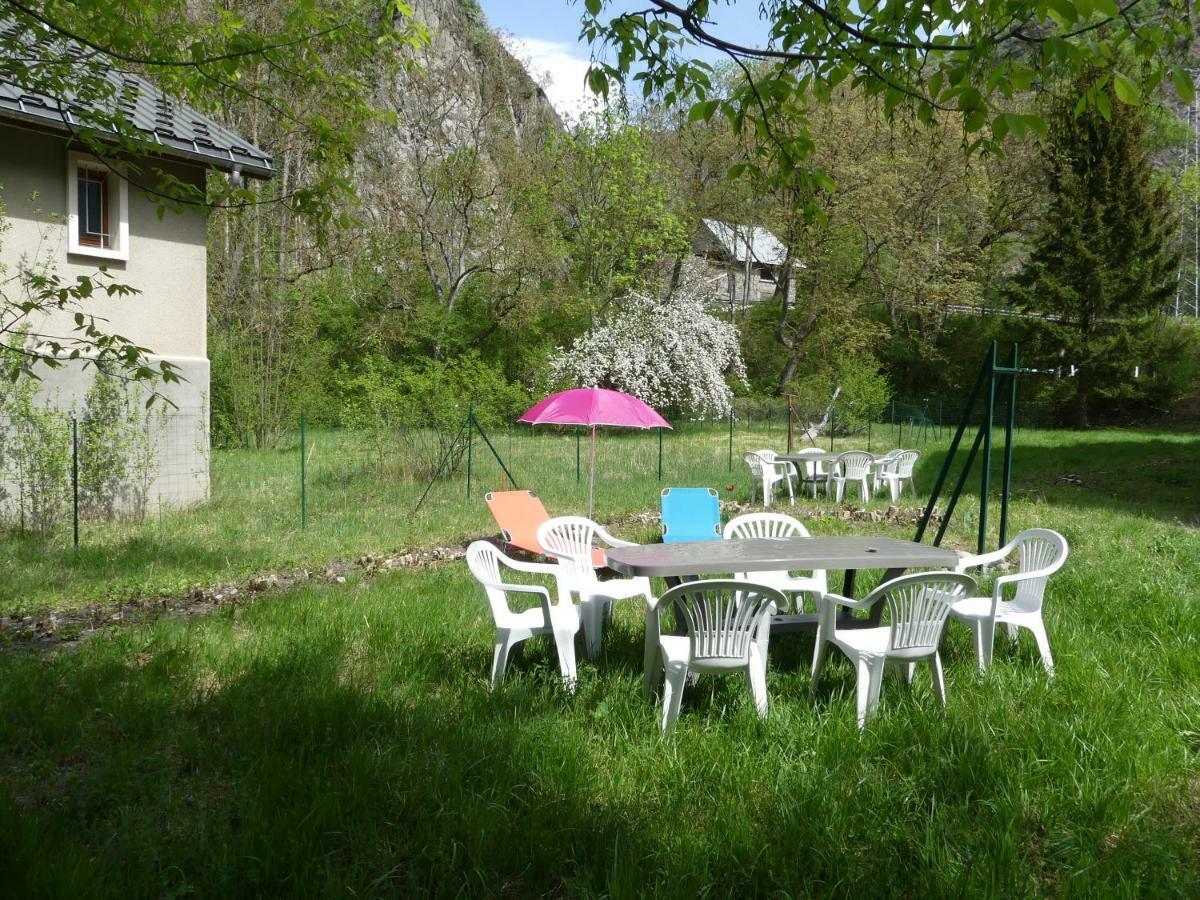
865, 641
676, 648
532, 619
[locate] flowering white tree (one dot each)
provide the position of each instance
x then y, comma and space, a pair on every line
668, 351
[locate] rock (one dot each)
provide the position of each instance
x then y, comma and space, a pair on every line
340, 579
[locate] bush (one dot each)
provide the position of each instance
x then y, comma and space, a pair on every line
864, 392
421, 408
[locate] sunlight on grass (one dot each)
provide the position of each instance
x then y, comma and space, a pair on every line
355, 506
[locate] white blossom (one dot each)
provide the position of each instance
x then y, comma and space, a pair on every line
668, 351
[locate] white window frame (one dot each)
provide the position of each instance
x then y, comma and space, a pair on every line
118, 208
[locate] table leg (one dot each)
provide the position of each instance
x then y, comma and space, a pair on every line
675, 581
846, 619
848, 583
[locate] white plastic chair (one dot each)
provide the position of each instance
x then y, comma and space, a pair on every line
813, 471
1041, 553
776, 525
882, 463
728, 628
569, 540
917, 609
560, 620
851, 467
766, 470
898, 470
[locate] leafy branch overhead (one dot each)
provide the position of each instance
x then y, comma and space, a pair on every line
210, 57
973, 59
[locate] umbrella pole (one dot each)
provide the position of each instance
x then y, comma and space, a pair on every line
592, 474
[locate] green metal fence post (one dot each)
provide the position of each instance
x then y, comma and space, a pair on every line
470, 443
730, 437
75, 483
1009, 428
985, 479
303, 486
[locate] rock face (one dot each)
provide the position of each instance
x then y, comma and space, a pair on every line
464, 89
464, 45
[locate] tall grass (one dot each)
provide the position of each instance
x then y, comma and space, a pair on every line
341, 740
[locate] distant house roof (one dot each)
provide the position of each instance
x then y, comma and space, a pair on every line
170, 127
734, 240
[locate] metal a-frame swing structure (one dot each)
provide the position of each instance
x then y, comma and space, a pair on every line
991, 378
467, 430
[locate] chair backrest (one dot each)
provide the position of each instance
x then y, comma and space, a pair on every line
918, 606
690, 514
571, 540
519, 514
763, 525
483, 559
903, 462
1037, 549
813, 468
755, 462
767, 455
723, 617
854, 463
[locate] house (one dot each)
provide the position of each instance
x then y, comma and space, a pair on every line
71, 213
748, 258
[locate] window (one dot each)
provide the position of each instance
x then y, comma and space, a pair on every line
98, 219
93, 208
766, 275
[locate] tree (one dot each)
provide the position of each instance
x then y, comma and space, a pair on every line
919, 59
284, 66
1104, 260
669, 351
617, 206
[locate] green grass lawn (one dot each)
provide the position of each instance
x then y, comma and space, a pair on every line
361, 501
341, 740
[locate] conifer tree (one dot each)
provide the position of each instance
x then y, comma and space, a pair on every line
1104, 259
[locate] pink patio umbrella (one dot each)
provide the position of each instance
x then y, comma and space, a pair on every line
592, 407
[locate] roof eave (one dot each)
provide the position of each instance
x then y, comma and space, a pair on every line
248, 168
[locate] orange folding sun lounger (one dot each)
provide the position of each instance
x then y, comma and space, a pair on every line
519, 514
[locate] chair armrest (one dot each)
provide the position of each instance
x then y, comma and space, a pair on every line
975, 561
542, 593
865, 603
520, 588
613, 541
532, 568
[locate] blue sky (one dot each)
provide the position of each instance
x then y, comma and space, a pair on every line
544, 34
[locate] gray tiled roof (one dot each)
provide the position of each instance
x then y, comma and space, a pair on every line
764, 247
172, 128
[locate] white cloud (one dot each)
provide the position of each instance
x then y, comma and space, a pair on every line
559, 69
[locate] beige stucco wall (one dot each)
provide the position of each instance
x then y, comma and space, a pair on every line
167, 257
167, 264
